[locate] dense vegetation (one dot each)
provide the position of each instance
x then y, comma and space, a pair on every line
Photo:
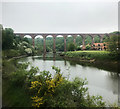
23, 88
112, 53
23, 45
60, 43
14, 46
90, 55
100, 59
114, 43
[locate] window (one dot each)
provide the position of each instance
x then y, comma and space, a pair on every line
98, 44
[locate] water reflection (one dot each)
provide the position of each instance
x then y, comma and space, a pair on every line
54, 56
33, 58
65, 63
44, 56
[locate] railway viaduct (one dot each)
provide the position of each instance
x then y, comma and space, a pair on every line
65, 35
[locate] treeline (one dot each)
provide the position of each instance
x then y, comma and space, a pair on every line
23, 46
13, 45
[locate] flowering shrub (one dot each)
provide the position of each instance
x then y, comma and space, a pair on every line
28, 50
48, 91
45, 88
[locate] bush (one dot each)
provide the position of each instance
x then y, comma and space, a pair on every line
71, 47
78, 48
15, 84
10, 53
86, 55
113, 43
56, 91
28, 51
46, 90
88, 47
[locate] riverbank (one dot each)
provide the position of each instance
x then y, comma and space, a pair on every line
90, 55
100, 59
103, 81
17, 57
17, 81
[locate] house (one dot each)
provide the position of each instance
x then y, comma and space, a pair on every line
99, 46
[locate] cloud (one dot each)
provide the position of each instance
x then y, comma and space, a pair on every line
61, 16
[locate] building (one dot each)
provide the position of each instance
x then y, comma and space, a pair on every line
99, 46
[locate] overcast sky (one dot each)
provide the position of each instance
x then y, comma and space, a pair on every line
61, 16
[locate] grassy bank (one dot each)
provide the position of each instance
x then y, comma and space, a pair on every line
100, 59
13, 86
90, 55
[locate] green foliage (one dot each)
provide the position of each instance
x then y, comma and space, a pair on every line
78, 48
7, 38
71, 47
88, 47
88, 40
15, 45
18, 78
28, 51
10, 53
60, 43
105, 38
47, 90
97, 39
26, 40
114, 43
60, 47
14, 85
88, 55
78, 40
25, 48
10, 41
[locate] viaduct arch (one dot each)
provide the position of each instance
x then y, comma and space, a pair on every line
65, 35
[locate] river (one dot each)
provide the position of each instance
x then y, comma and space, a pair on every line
100, 82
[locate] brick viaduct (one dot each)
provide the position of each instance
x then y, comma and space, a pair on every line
54, 35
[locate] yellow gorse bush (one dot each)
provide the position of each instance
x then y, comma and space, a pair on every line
35, 84
54, 82
37, 101
51, 85
48, 86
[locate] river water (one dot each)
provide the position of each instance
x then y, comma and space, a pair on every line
100, 82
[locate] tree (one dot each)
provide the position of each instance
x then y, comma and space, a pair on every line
7, 38
71, 47
88, 47
1, 29
114, 42
60, 47
97, 39
26, 40
78, 48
